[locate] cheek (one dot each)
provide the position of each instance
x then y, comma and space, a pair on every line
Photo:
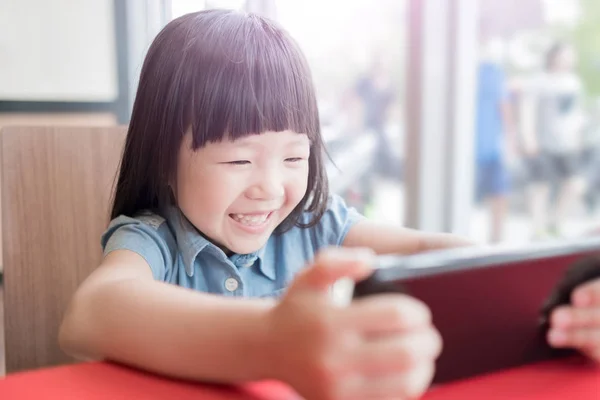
297, 185
208, 193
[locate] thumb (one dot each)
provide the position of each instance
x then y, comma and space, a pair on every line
333, 264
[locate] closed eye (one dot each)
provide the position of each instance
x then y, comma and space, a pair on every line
238, 162
294, 159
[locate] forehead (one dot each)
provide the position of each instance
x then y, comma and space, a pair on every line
287, 138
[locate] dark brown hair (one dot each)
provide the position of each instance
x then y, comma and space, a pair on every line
219, 73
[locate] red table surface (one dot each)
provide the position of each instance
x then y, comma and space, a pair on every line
566, 379
94, 381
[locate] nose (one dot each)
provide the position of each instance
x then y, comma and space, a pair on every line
267, 185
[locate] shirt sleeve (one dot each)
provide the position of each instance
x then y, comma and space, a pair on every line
336, 222
148, 236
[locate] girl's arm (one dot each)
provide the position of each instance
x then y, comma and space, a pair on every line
121, 313
390, 239
322, 350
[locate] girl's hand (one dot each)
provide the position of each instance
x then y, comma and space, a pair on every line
578, 326
379, 347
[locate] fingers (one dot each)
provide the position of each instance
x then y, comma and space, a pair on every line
396, 353
398, 365
579, 328
576, 338
387, 313
571, 317
588, 294
385, 345
397, 386
333, 264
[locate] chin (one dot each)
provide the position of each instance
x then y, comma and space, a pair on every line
246, 247
244, 243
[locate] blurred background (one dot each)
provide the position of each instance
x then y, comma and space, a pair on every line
476, 117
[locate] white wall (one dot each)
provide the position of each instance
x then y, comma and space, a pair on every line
61, 50
145, 19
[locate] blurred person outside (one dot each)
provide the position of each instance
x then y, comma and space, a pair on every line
553, 144
374, 96
591, 160
494, 129
376, 93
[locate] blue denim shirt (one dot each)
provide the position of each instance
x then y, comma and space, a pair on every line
178, 254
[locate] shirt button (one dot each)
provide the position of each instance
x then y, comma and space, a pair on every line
231, 284
248, 264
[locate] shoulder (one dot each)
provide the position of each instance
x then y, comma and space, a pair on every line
287, 253
147, 234
333, 226
145, 223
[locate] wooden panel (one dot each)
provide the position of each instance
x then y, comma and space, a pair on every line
54, 119
59, 118
2, 358
56, 185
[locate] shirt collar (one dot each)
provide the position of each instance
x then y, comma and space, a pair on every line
191, 243
246, 260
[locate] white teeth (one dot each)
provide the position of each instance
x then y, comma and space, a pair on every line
250, 219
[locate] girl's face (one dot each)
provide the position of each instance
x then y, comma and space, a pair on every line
237, 192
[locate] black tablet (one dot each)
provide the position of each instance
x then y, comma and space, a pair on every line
489, 304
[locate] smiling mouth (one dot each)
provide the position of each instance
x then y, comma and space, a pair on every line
251, 219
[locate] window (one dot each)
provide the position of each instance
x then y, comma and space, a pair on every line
537, 127
356, 53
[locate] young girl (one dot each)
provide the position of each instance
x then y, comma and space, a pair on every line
221, 204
